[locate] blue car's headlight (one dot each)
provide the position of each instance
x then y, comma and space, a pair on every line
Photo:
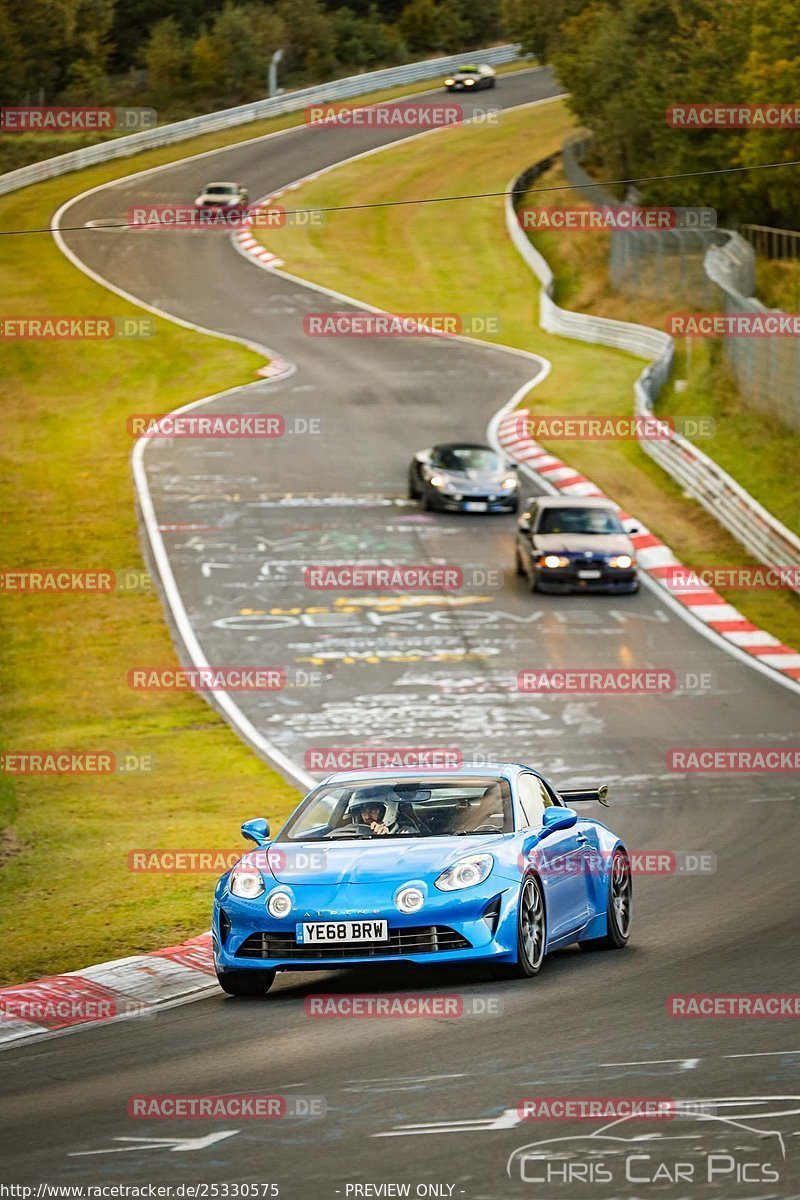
246, 883
467, 872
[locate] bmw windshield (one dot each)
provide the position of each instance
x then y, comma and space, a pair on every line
403, 807
579, 520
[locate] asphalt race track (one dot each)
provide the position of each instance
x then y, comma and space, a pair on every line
432, 1101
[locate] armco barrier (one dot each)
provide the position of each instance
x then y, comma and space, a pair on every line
337, 89
701, 478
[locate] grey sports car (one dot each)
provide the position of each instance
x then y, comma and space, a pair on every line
463, 477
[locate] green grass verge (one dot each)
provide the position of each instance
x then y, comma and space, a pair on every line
67, 897
778, 283
429, 257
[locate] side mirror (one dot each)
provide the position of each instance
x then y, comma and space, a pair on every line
256, 831
632, 529
524, 522
424, 456
558, 818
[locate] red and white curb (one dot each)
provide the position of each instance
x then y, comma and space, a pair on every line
657, 559
275, 369
251, 247
124, 988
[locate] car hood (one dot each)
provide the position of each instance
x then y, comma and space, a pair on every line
476, 479
219, 201
580, 543
377, 860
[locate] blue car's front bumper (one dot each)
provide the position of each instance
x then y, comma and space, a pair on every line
476, 924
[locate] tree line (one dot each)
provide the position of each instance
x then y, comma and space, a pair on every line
625, 61
184, 56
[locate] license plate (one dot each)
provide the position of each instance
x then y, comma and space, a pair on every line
476, 506
318, 932
589, 574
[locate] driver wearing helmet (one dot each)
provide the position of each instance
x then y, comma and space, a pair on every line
378, 808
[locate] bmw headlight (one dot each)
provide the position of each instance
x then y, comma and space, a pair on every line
246, 883
409, 899
438, 481
449, 82
279, 904
467, 872
554, 560
509, 483
468, 82
621, 560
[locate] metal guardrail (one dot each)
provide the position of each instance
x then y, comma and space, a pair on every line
762, 534
667, 263
338, 89
772, 242
708, 269
767, 369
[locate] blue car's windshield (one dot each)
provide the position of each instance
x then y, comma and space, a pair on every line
403, 807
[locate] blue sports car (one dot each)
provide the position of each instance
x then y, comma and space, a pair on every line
484, 865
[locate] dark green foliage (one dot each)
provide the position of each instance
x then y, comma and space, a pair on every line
625, 61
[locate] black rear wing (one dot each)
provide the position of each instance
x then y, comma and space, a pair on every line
581, 795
